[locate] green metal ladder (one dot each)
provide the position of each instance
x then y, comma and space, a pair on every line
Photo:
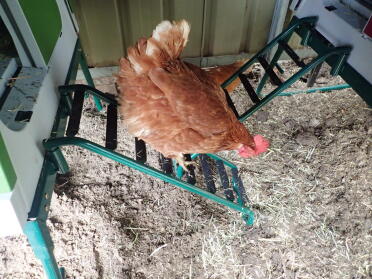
305, 27
72, 99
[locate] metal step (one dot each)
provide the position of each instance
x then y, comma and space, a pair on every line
242, 196
112, 127
165, 164
274, 78
291, 53
229, 194
313, 75
75, 115
249, 88
207, 173
141, 154
190, 176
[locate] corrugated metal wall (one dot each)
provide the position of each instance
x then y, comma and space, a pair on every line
220, 29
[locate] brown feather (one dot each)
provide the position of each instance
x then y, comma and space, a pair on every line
221, 73
174, 106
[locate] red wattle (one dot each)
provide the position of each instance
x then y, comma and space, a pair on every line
261, 144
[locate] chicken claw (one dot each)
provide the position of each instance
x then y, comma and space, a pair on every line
184, 164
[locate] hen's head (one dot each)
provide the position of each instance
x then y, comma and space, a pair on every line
260, 145
244, 143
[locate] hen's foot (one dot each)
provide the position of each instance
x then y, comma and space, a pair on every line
184, 164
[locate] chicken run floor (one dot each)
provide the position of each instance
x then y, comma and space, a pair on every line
311, 194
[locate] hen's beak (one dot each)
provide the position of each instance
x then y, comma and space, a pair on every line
246, 151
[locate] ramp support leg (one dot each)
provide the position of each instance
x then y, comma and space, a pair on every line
39, 238
36, 229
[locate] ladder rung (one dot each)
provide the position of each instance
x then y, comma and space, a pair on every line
231, 103
141, 155
274, 78
280, 69
337, 67
308, 33
166, 164
240, 187
291, 54
190, 176
224, 180
75, 115
207, 172
112, 127
248, 87
313, 75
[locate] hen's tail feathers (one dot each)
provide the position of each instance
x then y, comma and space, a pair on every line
167, 42
170, 37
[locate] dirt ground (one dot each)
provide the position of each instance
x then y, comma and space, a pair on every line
311, 194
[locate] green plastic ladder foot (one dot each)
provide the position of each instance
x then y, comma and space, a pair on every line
248, 218
41, 242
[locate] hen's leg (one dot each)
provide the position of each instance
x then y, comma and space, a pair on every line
181, 161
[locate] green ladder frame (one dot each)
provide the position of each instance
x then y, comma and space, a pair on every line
335, 56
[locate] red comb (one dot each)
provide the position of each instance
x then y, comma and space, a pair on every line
261, 144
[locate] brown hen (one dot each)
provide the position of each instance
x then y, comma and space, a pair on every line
174, 106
